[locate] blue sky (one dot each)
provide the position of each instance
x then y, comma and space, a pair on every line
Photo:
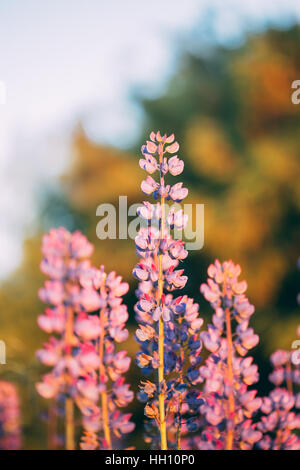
65, 60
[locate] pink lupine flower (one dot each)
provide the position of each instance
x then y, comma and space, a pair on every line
89, 388
229, 407
116, 287
178, 193
172, 148
151, 147
49, 387
83, 357
10, 431
101, 388
87, 326
68, 366
149, 162
51, 353
122, 394
118, 334
249, 370
89, 441
53, 321
281, 406
180, 220
280, 358
64, 262
146, 211
168, 327
148, 186
140, 272
88, 357
280, 421
121, 362
89, 300
52, 293
175, 166
249, 434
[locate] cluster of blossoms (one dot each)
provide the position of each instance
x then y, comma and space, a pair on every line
10, 432
229, 408
281, 406
182, 348
104, 367
168, 327
84, 339
65, 260
188, 404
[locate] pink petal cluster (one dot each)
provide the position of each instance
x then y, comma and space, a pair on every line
180, 316
281, 418
189, 404
85, 311
65, 262
10, 431
227, 373
102, 365
156, 146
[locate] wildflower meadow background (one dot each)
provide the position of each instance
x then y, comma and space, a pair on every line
139, 344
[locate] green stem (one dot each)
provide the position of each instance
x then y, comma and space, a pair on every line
161, 397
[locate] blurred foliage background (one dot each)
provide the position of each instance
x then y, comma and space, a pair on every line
231, 112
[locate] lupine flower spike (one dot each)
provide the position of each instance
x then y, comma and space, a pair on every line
65, 261
281, 407
168, 327
229, 406
10, 433
281, 418
101, 387
88, 318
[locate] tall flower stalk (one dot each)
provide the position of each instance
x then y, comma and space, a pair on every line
161, 317
88, 318
65, 259
101, 386
161, 396
281, 417
229, 407
281, 408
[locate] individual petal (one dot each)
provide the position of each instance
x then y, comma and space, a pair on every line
151, 147
239, 287
149, 185
177, 192
173, 148
175, 166
146, 211
89, 299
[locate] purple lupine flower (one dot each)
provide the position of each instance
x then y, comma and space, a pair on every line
64, 261
148, 186
101, 386
82, 354
168, 330
281, 416
229, 407
177, 193
175, 166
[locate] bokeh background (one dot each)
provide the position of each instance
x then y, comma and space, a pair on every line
85, 83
